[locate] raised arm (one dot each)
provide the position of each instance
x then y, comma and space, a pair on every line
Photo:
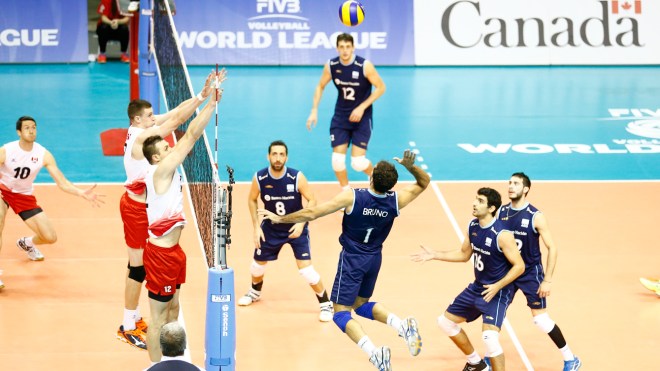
318, 93
64, 184
340, 201
166, 168
422, 179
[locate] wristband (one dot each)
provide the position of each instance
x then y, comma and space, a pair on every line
199, 97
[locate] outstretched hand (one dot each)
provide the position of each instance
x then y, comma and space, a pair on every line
408, 159
424, 256
213, 81
94, 198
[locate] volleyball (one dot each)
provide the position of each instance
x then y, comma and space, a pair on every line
351, 13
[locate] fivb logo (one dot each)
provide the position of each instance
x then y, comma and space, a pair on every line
625, 6
278, 6
646, 122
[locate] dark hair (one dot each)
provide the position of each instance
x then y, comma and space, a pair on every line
493, 197
172, 340
19, 122
345, 37
384, 176
136, 107
278, 143
526, 182
149, 147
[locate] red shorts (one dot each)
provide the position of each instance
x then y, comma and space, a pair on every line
17, 201
136, 223
166, 268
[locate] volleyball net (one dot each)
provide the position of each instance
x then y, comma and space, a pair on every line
211, 202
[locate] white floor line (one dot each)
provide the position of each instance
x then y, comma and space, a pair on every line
461, 237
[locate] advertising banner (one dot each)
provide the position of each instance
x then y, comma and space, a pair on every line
43, 31
290, 32
537, 32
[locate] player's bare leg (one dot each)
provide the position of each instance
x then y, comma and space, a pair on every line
44, 234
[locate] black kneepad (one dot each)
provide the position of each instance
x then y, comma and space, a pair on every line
137, 273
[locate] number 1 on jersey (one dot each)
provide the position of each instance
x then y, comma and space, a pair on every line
366, 238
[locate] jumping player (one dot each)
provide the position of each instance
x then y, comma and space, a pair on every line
20, 162
132, 204
164, 259
281, 189
497, 263
352, 123
368, 218
528, 224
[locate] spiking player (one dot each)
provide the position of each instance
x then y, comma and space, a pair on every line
132, 204
281, 189
528, 224
368, 218
497, 263
20, 162
351, 123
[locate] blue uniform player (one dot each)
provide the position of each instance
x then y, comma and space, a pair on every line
497, 263
368, 217
528, 224
281, 189
352, 123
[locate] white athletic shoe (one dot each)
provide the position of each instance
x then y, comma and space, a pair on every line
410, 334
32, 251
249, 298
381, 359
326, 312
2, 285
651, 284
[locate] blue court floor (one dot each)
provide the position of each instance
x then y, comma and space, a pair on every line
472, 123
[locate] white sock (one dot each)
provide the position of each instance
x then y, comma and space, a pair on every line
138, 316
346, 187
28, 241
474, 358
366, 345
566, 353
394, 322
129, 320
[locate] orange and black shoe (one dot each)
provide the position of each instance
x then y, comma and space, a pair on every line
133, 337
141, 325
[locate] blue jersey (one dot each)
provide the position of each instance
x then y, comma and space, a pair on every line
352, 86
279, 195
490, 264
366, 227
521, 223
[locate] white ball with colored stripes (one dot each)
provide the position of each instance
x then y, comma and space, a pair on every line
351, 13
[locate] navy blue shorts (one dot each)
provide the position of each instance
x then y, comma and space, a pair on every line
356, 276
275, 239
529, 283
342, 131
470, 304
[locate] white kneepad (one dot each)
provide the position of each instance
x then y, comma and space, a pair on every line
492, 341
449, 327
544, 322
360, 163
310, 275
338, 161
257, 270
